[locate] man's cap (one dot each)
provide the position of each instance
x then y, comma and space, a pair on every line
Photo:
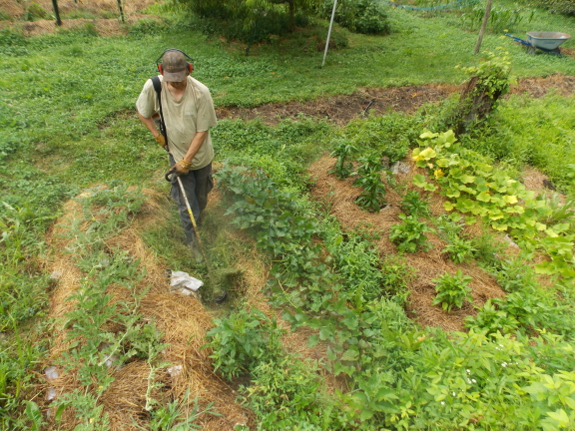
174, 66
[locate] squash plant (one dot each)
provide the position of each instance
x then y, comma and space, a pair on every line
477, 190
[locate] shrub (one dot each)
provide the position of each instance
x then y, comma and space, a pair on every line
500, 18
452, 290
236, 19
360, 16
565, 7
35, 11
489, 81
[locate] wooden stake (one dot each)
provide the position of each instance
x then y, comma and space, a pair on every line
121, 10
483, 26
57, 13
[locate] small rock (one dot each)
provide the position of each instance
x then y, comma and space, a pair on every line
176, 370
51, 373
510, 242
400, 168
51, 394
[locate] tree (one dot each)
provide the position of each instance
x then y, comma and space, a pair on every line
301, 5
264, 14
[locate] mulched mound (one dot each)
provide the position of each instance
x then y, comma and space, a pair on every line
182, 320
539, 87
340, 196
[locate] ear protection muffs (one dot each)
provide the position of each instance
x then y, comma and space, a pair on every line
159, 59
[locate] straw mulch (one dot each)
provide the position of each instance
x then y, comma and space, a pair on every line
339, 197
537, 181
182, 320
104, 27
17, 9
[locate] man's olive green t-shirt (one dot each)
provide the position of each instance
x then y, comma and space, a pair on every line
193, 113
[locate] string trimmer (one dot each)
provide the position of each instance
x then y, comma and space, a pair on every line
222, 275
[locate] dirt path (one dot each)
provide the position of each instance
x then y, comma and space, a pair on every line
341, 109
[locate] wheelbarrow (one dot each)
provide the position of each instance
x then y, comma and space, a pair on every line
546, 41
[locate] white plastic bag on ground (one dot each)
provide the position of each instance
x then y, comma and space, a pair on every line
184, 283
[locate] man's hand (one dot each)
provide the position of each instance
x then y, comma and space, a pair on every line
182, 167
161, 140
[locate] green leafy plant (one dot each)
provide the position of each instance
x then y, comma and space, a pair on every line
345, 152
413, 204
409, 236
559, 212
173, 416
242, 341
492, 319
396, 275
372, 197
500, 18
459, 250
288, 394
452, 290
358, 263
515, 276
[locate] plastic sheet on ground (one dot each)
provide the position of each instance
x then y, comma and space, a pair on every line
184, 283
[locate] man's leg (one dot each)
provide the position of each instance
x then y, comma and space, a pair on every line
197, 184
204, 184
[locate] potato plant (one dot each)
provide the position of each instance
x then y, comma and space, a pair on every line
452, 290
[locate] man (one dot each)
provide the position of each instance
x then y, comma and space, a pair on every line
188, 111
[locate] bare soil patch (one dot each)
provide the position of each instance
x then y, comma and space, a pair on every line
343, 108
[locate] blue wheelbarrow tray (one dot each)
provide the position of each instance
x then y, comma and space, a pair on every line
547, 40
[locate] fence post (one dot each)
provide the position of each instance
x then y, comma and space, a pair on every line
57, 12
483, 26
121, 10
329, 32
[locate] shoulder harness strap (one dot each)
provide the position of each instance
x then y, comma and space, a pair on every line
158, 87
